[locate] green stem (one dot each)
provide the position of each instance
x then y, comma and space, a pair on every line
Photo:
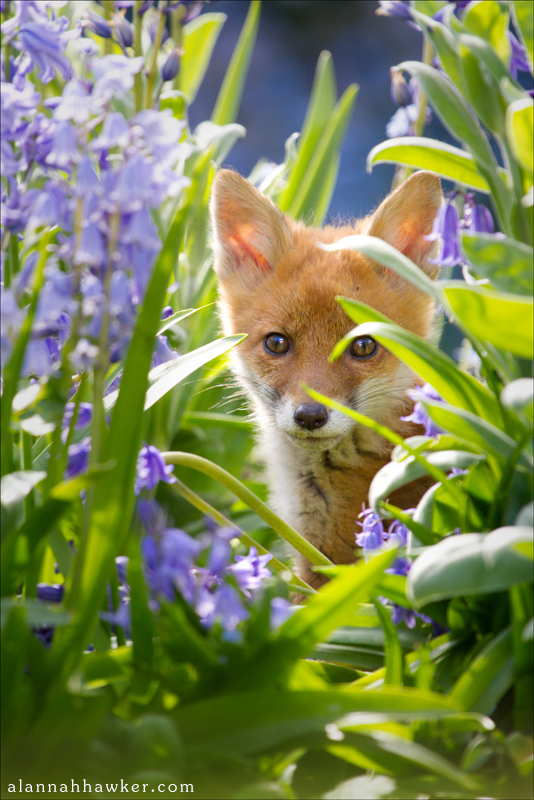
108, 8
223, 521
138, 78
518, 218
438, 475
262, 510
176, 33
27, 463
14, 254
152, 73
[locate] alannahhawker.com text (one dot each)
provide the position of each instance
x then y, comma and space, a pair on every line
79, 787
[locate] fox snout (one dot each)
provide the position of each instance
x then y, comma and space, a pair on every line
311, 416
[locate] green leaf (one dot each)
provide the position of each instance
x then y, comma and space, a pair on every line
489, 21
398, 473
178, 317
320, 109
455, 386
229, 98
17, 485
520, 130
36, 612
250, 722
458, 118
318, 179
504, 320
519, 396
199, 37
482, 89
421, 153
506, 262
470, 563
523, 13
474, 429
394, 658
385, 254
488, 677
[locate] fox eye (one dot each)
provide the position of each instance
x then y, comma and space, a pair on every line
363, 347
276, 343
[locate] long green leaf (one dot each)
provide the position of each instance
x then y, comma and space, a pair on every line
506, 262
471, 563
394, 657
523, 13
199, 37
229, 98
488, 677
311, 192
504, 320
320, 108
421, 153
385, 254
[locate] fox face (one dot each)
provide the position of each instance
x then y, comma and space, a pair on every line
277, 286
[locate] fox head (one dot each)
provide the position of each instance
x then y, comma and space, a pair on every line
277, 286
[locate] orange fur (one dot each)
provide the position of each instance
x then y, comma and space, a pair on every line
273, 278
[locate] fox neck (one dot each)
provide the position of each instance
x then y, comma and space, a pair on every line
320, 493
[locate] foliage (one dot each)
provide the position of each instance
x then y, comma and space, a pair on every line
184, 662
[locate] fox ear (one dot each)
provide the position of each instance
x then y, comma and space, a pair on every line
405, 217
250, 232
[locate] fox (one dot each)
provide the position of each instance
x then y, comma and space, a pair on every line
276, 285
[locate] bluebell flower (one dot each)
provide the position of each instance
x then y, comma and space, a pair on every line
44, 42
250, 571
92, 251
394, 8
9, 164
96, 24
78, 460
400, 91
519, 61
23, 278
169, 564
281, 610
84, 355
226, 609
477, 218
402, 121
455, 471
63, 151
171, 66
419, 415
16, 105
151, 468
114, 75
76, 103
372, 533
115, 133
51, 207
167, 312
459, 6
397, 534
122, 616
123, 30
151, 25
445, 228
401, 566
162, 352
142, 231
17, 207
50, 592
85, 415
41, 357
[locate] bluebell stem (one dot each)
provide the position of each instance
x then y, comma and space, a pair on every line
419, 415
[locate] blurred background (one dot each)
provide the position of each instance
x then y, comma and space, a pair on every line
292, 34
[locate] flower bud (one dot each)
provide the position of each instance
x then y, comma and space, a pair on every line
97, 24
124, 33
171, 66
401, 93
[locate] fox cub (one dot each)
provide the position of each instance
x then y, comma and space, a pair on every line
279, 287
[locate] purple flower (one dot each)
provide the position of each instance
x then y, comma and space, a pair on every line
519, 61
151, 26
85, 415
92, 250
124, 32
167, 312
169, 563
460, 5
162, 352
372, 533
250, 571
225, 608
84, 354
478, 219
63, 152
401, 566
122, 568
44, 43
115, 132
76, 103
151, 468
171, 66
402, 121
96, 24
419, 415
114, 75
400, 91
445, 228
457, 471
41, 357
142, 231
122, 616
281, 610
394, 8
397, 534
50, 592
78, 458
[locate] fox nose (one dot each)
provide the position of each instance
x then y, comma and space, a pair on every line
311, 416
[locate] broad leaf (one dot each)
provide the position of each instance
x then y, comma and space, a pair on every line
506, 262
